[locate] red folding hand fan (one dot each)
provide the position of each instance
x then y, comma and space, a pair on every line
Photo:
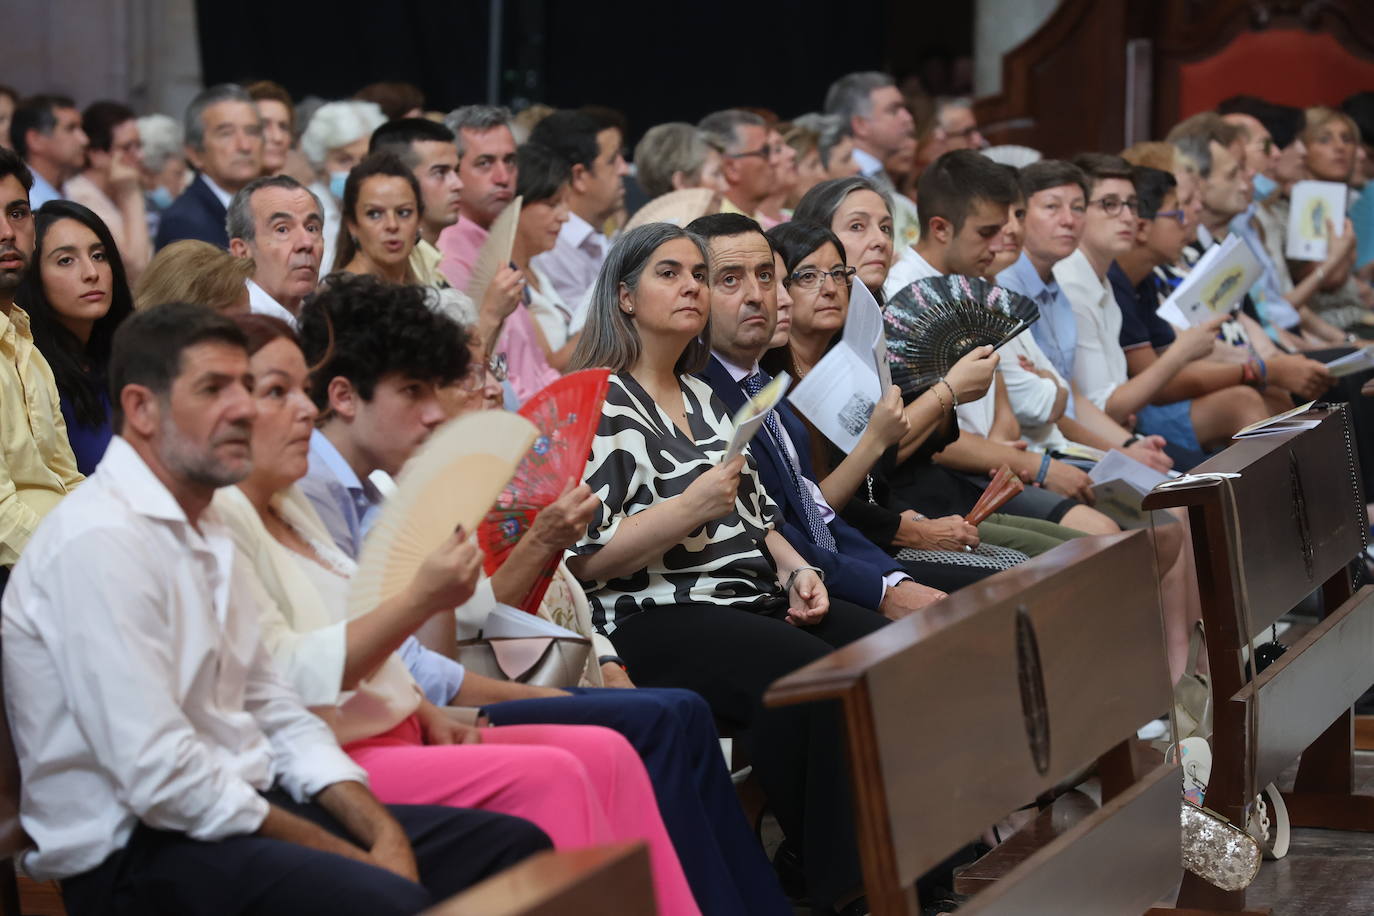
566, 413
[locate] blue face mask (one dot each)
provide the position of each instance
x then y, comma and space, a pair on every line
337, 180
1264, 186
161, 198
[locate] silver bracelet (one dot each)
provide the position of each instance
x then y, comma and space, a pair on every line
792, 576
952, 396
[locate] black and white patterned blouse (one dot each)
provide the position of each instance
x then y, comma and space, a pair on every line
641, 458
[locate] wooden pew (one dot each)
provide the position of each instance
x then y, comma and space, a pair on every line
1298, 523
959, 714
579, 882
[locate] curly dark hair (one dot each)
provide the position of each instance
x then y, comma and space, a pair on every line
361, 328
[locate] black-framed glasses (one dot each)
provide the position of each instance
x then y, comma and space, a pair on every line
811, 277
1180, 215
1112, 205
763, 152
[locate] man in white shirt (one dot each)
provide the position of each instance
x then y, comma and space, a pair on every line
279, 223
166, 766
872, 107
47, 134
595, 193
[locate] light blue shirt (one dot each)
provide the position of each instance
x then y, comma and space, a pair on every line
42, 191
868, 164
348, 507
1057, 330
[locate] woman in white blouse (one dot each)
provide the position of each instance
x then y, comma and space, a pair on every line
581, 784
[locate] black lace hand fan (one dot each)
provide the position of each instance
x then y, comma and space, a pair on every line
933, 323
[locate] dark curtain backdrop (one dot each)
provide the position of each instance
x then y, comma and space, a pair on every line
654, 61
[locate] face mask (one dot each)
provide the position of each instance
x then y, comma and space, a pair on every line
161, 197
1264, 186
337, 180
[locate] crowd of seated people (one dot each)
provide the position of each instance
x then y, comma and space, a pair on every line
223, 337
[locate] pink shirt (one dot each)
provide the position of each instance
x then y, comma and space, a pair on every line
459, 244
526, 366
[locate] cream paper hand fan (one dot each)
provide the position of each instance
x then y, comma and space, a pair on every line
495, 252
452, 480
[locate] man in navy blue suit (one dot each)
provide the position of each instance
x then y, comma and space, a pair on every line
224, 143
744, 310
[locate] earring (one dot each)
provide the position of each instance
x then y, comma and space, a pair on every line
631, 312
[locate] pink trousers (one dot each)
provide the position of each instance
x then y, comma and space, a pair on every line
581, 784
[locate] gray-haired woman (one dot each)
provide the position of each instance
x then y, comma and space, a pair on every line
682, 566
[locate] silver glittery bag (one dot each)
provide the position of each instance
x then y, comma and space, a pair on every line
1216, 850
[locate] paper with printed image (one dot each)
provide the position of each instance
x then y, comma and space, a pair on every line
1312, 205
839, 394
1215, 285
1120, 483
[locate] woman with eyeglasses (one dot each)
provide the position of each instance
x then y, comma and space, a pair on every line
937, 552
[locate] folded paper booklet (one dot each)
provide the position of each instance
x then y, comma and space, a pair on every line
1119, 484
839, 393
506, 622
1214, 286
1279, 423
750, 417
1351, 363
1314, 204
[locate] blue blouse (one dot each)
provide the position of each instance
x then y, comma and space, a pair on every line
88, 442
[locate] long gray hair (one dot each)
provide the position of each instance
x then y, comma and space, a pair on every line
609, 339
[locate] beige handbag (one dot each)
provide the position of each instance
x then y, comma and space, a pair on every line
1193, 694
540, 661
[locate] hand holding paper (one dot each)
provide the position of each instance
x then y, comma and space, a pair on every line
750, 417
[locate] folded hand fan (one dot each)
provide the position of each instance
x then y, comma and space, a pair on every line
566, 414
495, 251
451, 480
677, 207
933, 323
1004, 487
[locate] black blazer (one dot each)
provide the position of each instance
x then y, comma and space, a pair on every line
855, 573
196, 214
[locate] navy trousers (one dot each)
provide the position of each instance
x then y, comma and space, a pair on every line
159, 872
675, 734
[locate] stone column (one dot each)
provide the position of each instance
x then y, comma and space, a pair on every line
999, 26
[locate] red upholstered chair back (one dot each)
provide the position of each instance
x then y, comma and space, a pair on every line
1290, 66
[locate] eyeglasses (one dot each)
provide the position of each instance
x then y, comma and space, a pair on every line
763, 152
810, 277
475, 379
1266, 145
1112, 205
1180, 215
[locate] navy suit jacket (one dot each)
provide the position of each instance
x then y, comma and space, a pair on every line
196, 214
856, 572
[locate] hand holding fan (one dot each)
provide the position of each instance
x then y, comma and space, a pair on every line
935, 322
449, 482
1003, 489
495, 252
566, 413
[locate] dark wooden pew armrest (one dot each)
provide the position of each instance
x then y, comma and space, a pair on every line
579, 882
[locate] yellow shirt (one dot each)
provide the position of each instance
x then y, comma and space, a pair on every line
37, 467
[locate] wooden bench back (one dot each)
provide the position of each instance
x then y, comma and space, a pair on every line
964, 712
1300, 513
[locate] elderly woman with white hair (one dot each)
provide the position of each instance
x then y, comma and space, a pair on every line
334, 142
163, 165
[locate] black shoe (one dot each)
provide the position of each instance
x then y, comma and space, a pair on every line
791, 874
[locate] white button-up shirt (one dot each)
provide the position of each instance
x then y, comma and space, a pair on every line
1099, 363
573, 263
135, 682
